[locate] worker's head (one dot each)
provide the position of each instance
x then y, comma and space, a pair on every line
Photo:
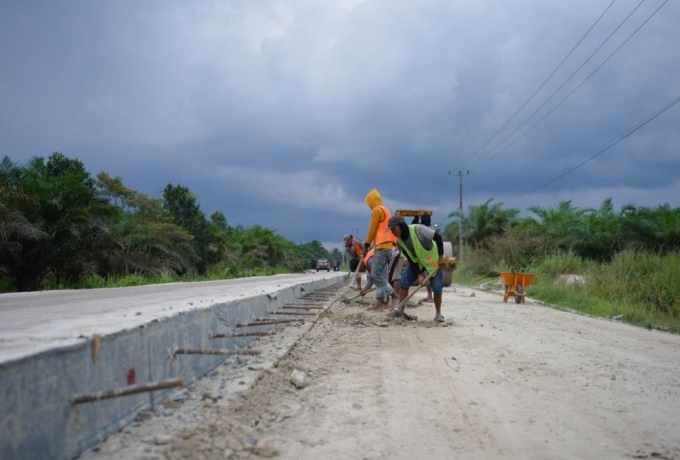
426, 220
373, 199
396, 224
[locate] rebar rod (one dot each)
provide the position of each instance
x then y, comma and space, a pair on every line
215, 351
262, 322
292, 313
129, 390
219, 335
301, 307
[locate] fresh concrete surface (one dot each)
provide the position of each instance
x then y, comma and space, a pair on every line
31, 322
47, 352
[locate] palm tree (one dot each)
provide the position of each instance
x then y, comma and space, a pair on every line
599, 235
483, 222
655, 229
557, 223
63, 220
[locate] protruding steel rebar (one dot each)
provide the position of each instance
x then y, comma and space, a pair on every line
266, 322
292, 313
301, 307
281, 321
129, 390
218, 335
215, 351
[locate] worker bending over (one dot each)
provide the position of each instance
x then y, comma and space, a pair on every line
355, 253
424, 249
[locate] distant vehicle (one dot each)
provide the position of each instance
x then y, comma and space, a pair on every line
323, 264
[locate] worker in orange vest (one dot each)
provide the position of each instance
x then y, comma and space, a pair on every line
383, 241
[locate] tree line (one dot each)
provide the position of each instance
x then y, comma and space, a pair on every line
59, 225
594, 234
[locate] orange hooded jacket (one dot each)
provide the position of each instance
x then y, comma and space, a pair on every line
377, 228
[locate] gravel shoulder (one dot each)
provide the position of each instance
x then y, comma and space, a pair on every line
499, 381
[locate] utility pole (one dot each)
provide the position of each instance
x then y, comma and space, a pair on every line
460, 216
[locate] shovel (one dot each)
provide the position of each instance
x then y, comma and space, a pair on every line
399, 307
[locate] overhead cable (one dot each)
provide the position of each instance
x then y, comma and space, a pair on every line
479, 163
541, 85
609, 145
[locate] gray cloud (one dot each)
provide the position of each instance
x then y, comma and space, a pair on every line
287, 113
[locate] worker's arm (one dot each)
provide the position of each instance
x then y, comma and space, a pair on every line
440, 244
440, 248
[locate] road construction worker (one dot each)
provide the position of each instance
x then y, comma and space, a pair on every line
355, 252
383, 242
424, 249
388, 270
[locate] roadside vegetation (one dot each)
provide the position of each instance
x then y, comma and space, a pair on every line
61, 228
621, 265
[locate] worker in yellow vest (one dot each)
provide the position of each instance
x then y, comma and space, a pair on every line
424, 249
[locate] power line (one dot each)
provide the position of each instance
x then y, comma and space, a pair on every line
612, 143
432, 189
486, 160
542, 84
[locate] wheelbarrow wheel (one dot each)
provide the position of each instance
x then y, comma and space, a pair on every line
519, 294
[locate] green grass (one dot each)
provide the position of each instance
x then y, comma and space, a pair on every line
636, 288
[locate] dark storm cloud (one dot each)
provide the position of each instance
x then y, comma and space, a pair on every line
286, 114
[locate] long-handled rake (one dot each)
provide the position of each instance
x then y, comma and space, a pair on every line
348, 300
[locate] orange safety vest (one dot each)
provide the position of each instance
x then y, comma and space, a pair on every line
369, 254
357, 247
384, 235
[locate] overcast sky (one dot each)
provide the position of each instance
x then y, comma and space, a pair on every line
286, 113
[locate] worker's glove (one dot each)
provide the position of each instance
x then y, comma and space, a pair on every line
367, 246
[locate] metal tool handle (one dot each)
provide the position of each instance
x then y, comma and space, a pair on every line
418, 288
358, 295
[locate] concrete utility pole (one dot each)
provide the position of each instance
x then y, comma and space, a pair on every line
460, 217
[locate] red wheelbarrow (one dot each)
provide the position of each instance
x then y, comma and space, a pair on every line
515, 285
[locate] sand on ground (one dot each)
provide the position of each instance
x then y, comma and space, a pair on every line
499, 380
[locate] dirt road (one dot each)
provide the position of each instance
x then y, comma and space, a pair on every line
502, 381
